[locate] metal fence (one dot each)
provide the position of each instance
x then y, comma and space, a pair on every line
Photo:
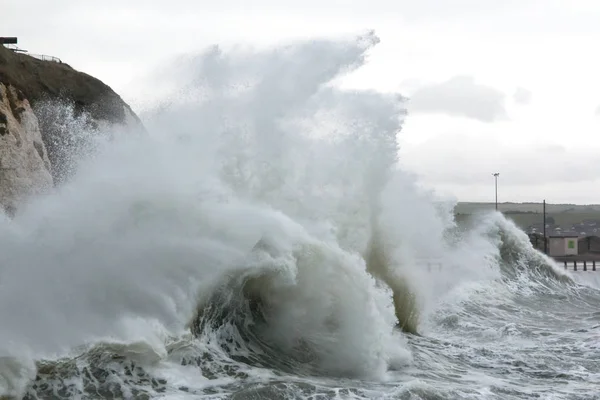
42, 57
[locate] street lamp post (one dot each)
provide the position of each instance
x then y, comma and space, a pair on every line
545, 241
496, 174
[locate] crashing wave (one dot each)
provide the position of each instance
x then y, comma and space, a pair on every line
154, 232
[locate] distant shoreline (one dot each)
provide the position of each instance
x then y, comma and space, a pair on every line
567, 217
510, 207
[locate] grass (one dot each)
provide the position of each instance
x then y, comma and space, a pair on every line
42, 80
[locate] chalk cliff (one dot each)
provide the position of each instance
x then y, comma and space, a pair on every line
36, 142
24, 164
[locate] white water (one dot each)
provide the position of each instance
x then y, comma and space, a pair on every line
254, 146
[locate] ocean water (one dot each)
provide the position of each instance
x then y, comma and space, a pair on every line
261, 243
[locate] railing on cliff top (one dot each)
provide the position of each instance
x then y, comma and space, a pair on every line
42, 57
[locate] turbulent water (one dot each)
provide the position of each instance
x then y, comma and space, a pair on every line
260, 242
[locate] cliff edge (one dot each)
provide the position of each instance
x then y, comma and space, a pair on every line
48, 80
36, 98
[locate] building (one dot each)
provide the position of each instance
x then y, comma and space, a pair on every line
589, 245
563, 245
8, 40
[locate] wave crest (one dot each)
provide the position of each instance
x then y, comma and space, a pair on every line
312, 308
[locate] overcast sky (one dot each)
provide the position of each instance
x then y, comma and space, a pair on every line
506, 86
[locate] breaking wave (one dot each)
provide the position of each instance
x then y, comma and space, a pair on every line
261, 230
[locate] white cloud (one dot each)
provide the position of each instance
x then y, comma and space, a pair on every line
522, 96
460, 96
409, 8
469, 159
